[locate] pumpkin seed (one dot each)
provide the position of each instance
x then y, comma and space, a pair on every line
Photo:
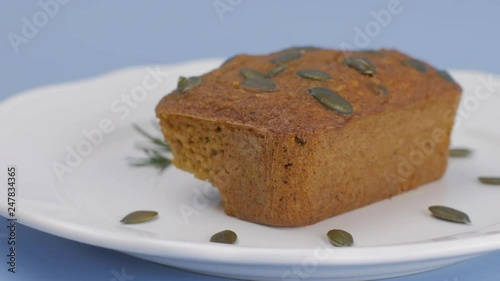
490, 180
181, 82
286, 58
250, 73
380, 90
340, 238
225, 236
302, 49
263, 84
185, 84
449, 214
445, 75
331, 100
314, 74
372, 52
362, 65
139, 216
460, 152
416, 64
277, 70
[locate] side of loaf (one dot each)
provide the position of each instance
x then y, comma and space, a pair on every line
281, 156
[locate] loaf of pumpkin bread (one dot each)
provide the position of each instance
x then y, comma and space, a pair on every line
304, 134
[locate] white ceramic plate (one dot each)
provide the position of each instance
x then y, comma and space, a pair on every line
97, 188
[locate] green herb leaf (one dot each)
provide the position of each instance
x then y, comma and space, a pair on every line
157, 155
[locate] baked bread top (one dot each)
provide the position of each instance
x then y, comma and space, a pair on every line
371, 81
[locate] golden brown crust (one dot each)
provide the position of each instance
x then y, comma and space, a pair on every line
219, 98
281, 158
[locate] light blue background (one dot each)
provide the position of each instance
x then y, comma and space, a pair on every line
87, 38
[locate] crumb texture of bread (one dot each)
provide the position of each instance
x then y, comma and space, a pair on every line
283, 159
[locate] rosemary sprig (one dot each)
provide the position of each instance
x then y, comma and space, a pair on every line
154, 140
157, 153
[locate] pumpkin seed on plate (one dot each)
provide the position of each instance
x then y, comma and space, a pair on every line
460, 152
262, 84
449, 214
185, 84
331, 100
314, 74
139, 216
416, 64
490, 180
362, 65
340, 238
277, 70
225, 236
286, 58
250, 73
